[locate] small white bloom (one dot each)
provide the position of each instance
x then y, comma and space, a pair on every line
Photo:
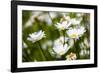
76, 32
46, 18
84, 52
24, 45
67, 18
62, 26
31, 19
47, 44
79, 14
64, 23
82, 46
86, 42
59, 47
36, 36
28, 51
71, 56
29, 22
88, 52
53, 15
75, 21
44, 46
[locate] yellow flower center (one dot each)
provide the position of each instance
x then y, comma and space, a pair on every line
63, 28
74, 35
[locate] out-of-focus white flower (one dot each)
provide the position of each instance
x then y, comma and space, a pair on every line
37, 13
73, 21
46, 18
75, 33
28, 51
71, 56
86, 42
88, 52
44, 46
84, 52
63, 25
53, 15
79, 14
35, 60
82, 46
65, 14
76, 21
24, 45
31, 19
67, 18
59, 47
29, 22
36, 36
47, 44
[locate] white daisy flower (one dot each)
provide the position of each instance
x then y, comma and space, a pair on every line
59, 47
36, 36
62, 26
64, 23
71, 56
75, 33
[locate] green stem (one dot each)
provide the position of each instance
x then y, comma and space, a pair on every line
42, 50
64, 36
76, 49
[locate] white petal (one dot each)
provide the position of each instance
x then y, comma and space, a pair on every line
36, 36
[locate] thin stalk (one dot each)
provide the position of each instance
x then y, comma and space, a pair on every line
75, 49
42, 50
64, 36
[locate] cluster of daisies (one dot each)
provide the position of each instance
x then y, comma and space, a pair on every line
71, 31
